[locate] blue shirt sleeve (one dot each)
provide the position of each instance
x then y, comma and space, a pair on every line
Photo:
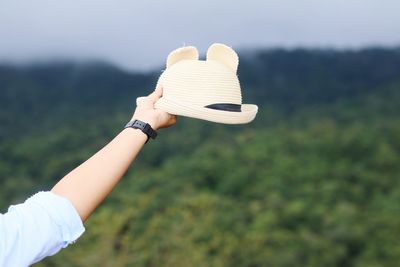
40, 227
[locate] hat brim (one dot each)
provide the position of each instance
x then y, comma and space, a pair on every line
175, 107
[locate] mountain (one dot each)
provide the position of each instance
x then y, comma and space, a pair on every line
312, 181
284, 78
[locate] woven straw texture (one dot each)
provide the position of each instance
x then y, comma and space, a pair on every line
190, 84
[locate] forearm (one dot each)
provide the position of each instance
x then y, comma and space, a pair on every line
89, 184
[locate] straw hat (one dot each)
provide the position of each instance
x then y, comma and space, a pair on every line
204, 89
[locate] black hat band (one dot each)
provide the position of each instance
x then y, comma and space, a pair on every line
226, 107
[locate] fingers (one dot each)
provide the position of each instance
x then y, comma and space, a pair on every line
146, 110
156, 94
164, 119
151, 98
159, 90
172, 120
140, 100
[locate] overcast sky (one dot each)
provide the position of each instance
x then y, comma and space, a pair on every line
138, 35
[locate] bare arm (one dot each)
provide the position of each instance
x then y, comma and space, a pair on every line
89, 184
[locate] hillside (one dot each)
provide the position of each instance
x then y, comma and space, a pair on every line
313, 181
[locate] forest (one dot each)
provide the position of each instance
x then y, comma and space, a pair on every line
313, 181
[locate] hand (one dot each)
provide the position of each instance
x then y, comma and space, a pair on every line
146, 112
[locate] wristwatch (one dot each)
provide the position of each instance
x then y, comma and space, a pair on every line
145, 127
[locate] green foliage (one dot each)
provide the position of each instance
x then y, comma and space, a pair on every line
313, 183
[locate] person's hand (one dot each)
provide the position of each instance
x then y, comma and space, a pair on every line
146, 112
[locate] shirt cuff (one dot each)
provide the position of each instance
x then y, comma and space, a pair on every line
64, 214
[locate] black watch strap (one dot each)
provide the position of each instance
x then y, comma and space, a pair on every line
145, 127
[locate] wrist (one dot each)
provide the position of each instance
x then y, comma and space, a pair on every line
143, 126
150, 121
136, 134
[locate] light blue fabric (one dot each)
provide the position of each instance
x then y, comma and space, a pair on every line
40, 227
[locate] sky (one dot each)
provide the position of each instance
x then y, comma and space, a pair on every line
138, 35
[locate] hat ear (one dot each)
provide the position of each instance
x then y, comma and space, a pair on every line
186, 52
224, 54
